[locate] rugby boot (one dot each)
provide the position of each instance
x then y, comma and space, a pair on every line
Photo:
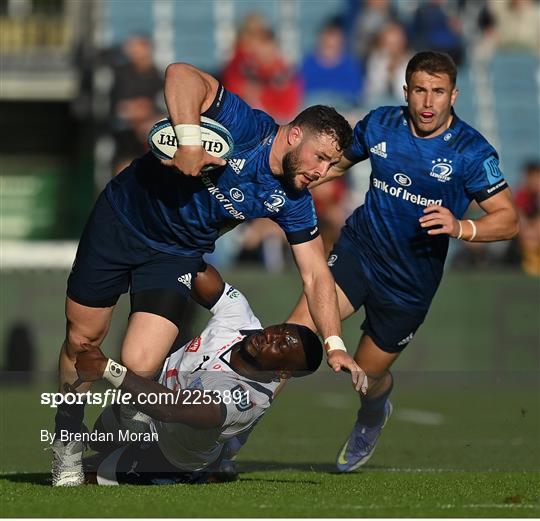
67, 468
361, 443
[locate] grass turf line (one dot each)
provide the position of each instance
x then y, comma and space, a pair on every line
290, 494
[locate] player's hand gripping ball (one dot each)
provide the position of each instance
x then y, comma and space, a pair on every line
217, 140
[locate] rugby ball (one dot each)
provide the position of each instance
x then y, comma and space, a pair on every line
217, 140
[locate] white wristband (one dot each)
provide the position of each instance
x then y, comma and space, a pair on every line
334, 343
460, 230
188, 135
114, 373
473, 230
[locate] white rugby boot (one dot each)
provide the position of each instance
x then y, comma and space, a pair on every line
67, 468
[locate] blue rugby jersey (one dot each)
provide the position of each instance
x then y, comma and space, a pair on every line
403, 263
184, 215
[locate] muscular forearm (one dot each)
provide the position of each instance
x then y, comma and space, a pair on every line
499, 225
170, 407
322, 303
152, 398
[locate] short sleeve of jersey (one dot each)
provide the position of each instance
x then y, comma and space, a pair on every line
239, 403
359, 150
483, 177
246, 125
232, 311
299, 222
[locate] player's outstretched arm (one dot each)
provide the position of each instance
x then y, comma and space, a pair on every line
188, 93
500, 223
320, 292
171, 406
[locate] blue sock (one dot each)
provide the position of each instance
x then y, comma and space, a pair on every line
371, 412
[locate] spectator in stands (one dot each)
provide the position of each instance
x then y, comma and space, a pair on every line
259, 73
434, 28
137, 78
372, 16
236, 74
136, 99
331, 75
518, 23
528, 194
386, 66
528, 205
131, 139
486, 42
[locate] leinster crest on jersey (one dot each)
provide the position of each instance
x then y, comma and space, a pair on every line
441, 169
275, 201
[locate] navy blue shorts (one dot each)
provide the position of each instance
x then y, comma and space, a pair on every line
110, 260
391, 327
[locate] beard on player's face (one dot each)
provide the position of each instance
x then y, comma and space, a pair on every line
292, 170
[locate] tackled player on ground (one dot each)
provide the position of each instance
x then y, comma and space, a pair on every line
212, 392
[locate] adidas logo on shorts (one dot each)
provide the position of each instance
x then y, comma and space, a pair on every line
237, 164
379, 149
406, 340
185, 280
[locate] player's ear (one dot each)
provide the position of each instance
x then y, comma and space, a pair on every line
405, 93
295, 135
454, 96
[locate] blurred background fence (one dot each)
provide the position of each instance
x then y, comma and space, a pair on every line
81, 83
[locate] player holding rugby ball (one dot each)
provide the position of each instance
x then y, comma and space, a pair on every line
154, 221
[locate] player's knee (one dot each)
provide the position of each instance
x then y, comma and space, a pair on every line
141, 362
76, 337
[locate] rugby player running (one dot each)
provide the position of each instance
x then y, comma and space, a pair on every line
153, 222
427, 167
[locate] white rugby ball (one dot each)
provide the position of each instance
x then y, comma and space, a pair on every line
217, 140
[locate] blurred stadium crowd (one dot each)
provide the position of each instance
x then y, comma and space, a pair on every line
97, 73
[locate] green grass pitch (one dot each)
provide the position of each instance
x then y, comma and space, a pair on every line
463, 440
442, 455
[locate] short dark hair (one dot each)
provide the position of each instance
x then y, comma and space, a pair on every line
433, 63
321, 119
335, 23
312, 350
531, 166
